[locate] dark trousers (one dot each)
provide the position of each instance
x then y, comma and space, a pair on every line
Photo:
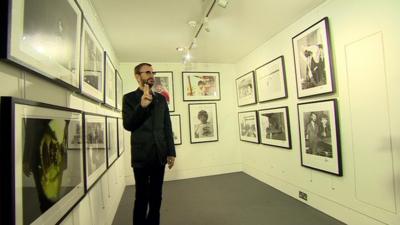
149, 181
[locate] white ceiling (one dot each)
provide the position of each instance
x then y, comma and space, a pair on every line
151, 30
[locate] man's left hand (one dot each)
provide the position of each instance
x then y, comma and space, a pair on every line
170, 161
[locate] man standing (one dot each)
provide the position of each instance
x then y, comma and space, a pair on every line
312, 132
146, 116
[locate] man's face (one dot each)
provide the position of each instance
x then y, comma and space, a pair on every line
145, 76
313, 117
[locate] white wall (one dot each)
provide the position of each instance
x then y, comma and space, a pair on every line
200, 159
365, 41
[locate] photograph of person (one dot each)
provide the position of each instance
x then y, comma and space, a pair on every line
204, 127
274, 126
203, 122
201, 86
317, 133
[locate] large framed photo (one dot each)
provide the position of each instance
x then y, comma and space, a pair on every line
112, 140
44, 36
119, 90
164, 85
109, 83
92, 65
275, 127
248, 126
271, 80
320, 136
121, 140
203, 122
200, 86
42, 179
176, 129
313, 60
95, 147
245, 89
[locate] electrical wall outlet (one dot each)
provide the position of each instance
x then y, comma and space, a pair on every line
303, 195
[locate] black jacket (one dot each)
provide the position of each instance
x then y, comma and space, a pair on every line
149, 127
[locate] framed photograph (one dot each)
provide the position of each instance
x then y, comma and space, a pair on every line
75, 135
320, 136
109, 83
121, 146
164, 85
203, 122
95, 147
248, 127
44, 36
119, 90
313, 60
200, 86
245, 89
271, 80
176, 129
112, 140
42, 179
275, 127
92, 65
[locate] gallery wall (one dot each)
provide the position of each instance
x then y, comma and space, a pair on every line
364, 37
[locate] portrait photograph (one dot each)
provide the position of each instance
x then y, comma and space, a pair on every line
110, 93
203, 122
45, 37
313, 60
92, 65
119, 91
248, 127
275, 127
95, 147
112, 140
319, 136
245, 89
121, 140
47, 175
271, 80
176, 129
200, 86
164, 85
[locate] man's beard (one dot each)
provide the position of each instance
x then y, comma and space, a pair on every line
149, 82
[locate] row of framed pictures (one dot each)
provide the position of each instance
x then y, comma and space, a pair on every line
318, 128
313, 65
52, 156
52, 39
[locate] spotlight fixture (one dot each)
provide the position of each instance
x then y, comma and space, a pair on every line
192, 23
223, 3
206, 25
180, 49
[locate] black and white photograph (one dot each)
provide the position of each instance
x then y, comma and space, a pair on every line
245, 89
121, 140
95, 147
112, 140
313, 60
45, 37
248, 126
320, 137
200, 86
47, 176
109, 84
176, 129
271, 80
119, 90
75, 135
203, 122
275, 127
164, 85
92, 65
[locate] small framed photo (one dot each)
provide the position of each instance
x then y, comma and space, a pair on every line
164, 85
176, 129
248, 126
92, 65
119, 90
271, 80
245, 89
42, 178
121, 141
320, 136
203, 122
275, 127
44, 39
313, 60
109, 82
112, 140
95, 147
75, 135
200, 86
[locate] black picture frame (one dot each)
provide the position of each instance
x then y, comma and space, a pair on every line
119, 88
246, 89
320, 136
274, 127
42, 179
121, 139
44, 39
248, 127
201, 86
176, 128
164, 85
313, 60
271, 80
203, 122
111, 140
110, 92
